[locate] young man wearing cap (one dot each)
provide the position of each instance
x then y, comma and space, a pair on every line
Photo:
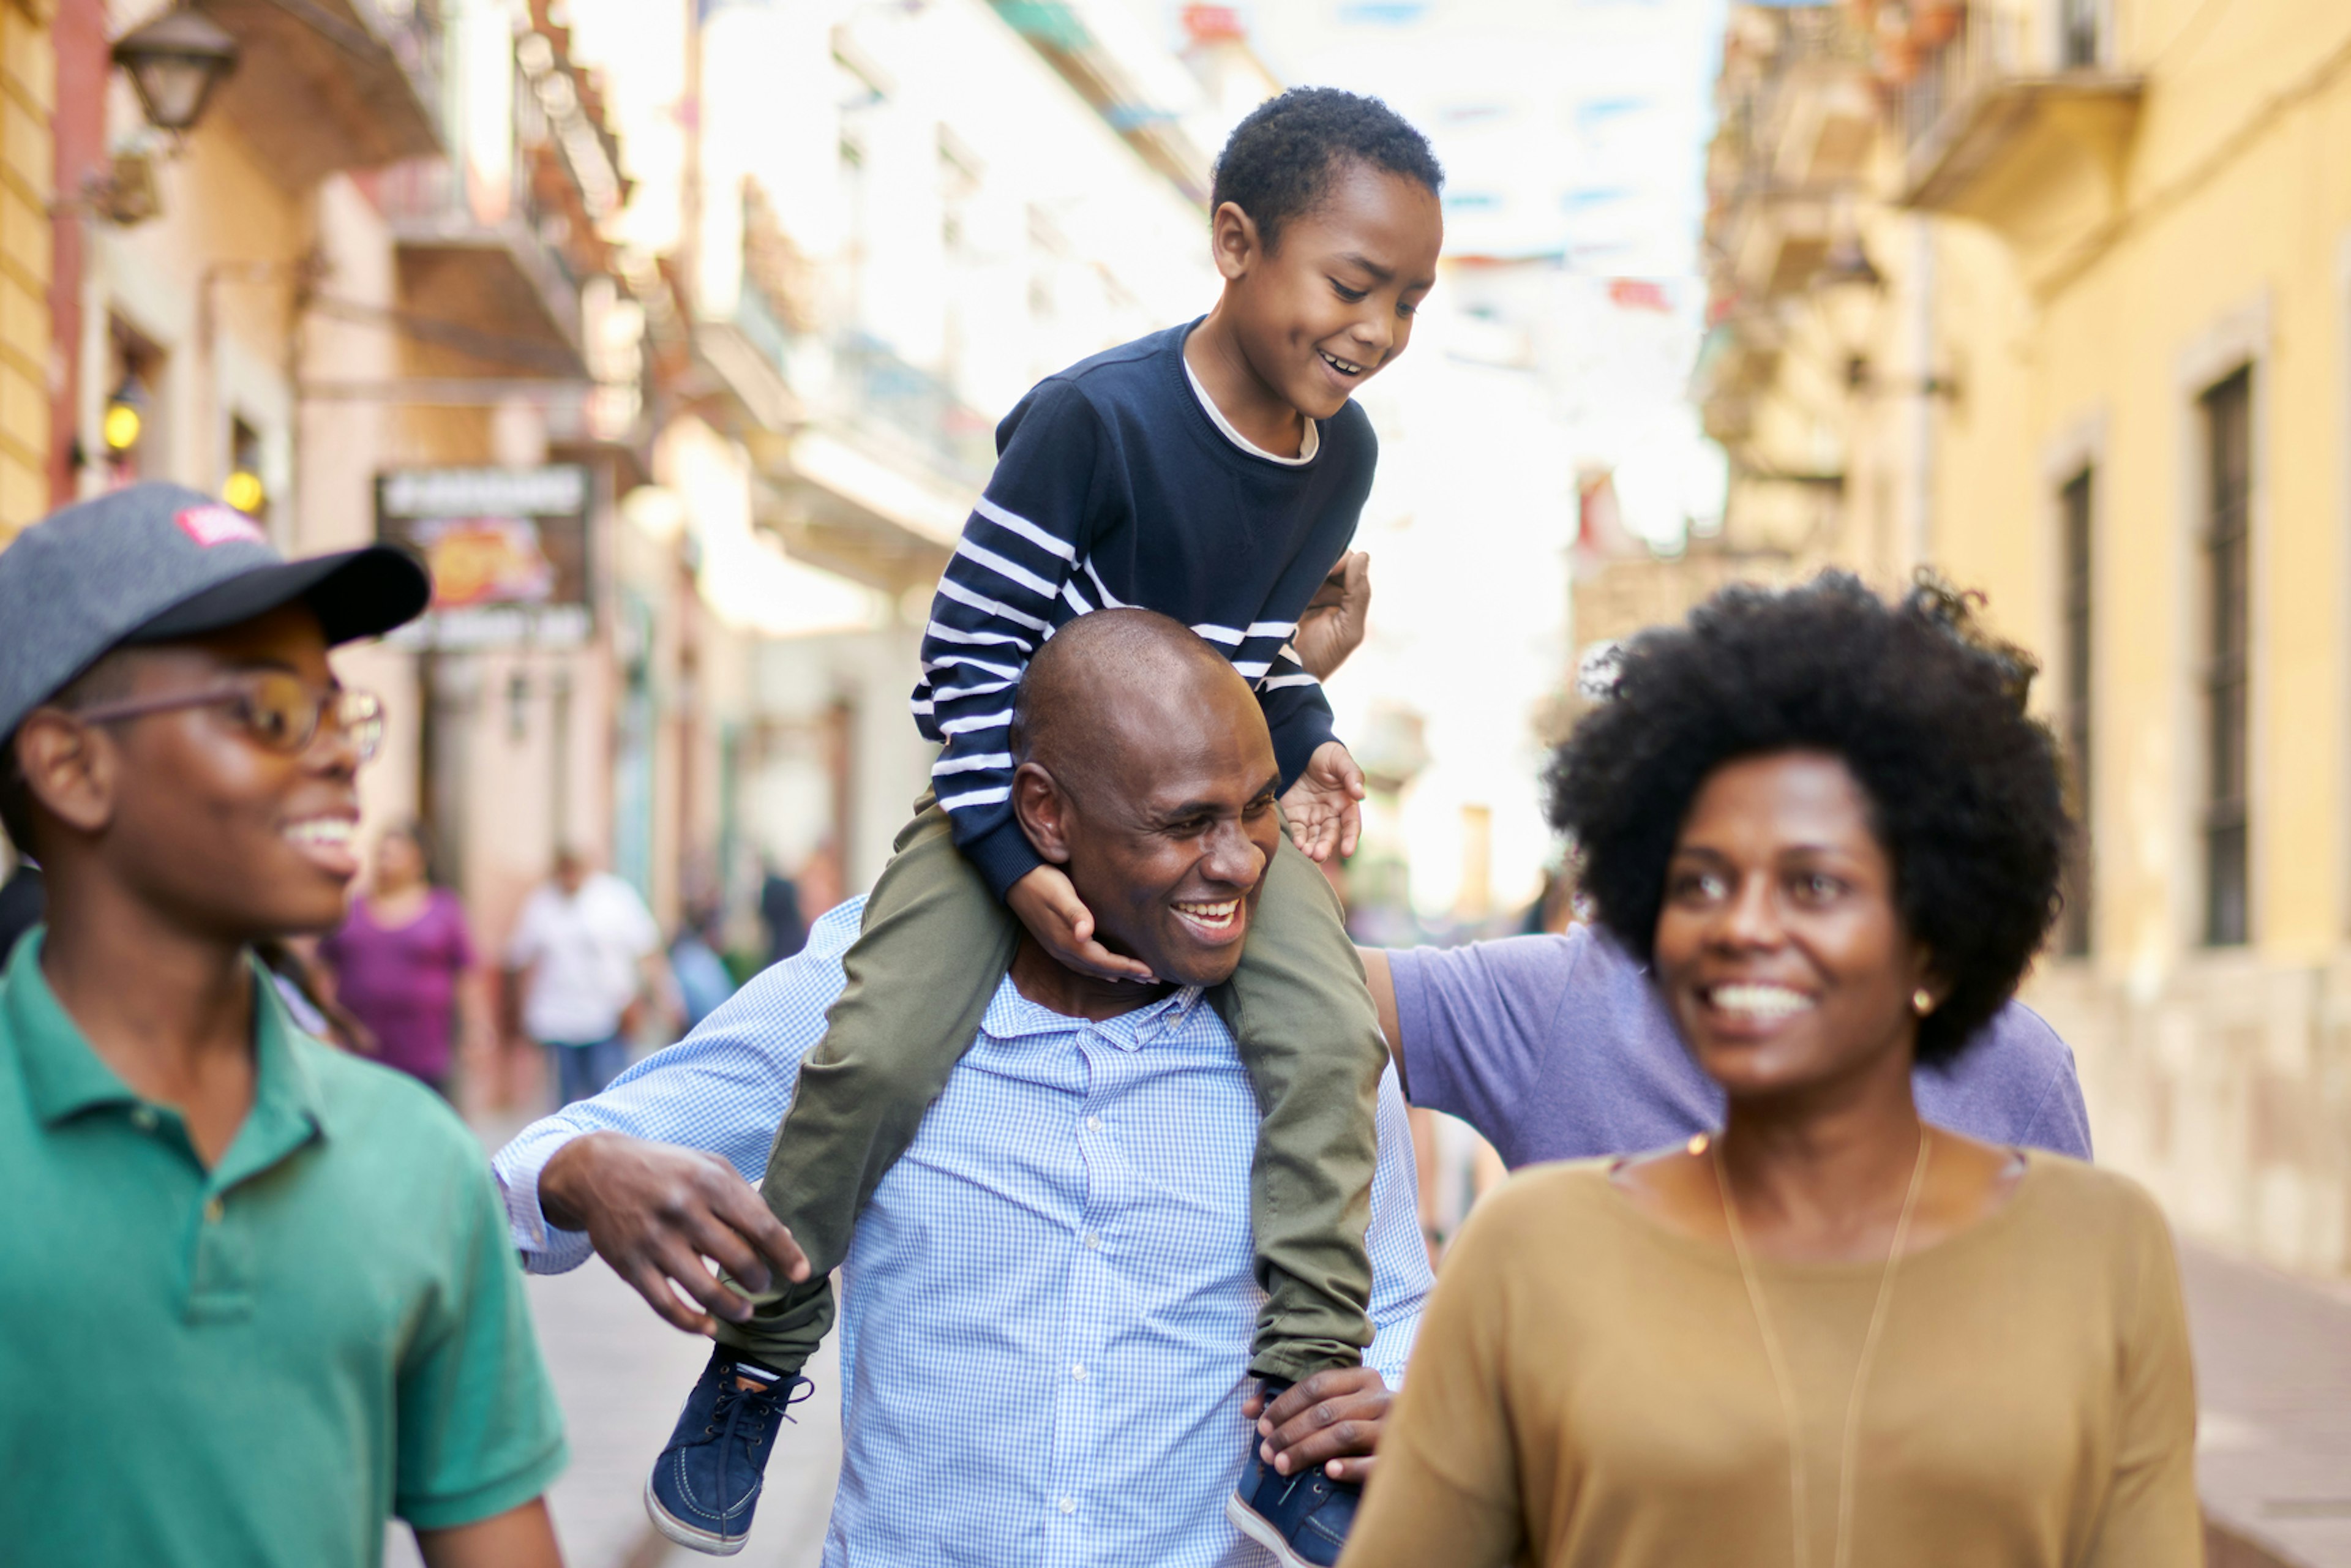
256, 1294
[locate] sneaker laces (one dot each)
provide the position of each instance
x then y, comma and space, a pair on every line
735, 1404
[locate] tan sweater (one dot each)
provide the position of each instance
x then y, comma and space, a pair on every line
1590, 1390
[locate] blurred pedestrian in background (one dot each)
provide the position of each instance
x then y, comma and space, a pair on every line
308, 989
703, 980
1832, 832
287, 1262
403, 963
779, 911
584, 957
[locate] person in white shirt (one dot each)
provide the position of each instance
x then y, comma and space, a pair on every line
584, 955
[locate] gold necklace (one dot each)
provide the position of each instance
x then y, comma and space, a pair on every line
1786, 1386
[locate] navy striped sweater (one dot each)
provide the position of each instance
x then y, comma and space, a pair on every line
1114, 488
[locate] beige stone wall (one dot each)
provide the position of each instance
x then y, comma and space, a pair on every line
2107, 242
2084, 321
27, 73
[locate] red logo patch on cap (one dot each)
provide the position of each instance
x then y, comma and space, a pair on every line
216, 525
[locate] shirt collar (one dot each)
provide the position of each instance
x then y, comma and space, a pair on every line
1011, 1015
65, 1077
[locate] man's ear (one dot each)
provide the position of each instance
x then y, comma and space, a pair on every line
69, 770
1233, 242
1042, 809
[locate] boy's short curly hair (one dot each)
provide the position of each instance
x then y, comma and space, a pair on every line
1925, 711
1279, 164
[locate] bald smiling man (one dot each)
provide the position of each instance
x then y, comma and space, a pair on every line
1044, 1350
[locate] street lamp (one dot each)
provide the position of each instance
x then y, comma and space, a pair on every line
175, 61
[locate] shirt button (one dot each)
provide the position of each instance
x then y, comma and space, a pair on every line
213, 1210
1078, 1372
1093, 1123
143, 1119
1093, 1241
1069, 1505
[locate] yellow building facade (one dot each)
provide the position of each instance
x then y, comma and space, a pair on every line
2079, 336
27, 88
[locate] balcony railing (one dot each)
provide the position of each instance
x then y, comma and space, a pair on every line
411, 31
500, 253
1993, 100
856, 382
1987, 47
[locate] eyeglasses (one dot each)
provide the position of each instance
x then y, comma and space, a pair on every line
278, 710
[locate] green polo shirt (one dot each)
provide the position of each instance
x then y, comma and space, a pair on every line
253, 1365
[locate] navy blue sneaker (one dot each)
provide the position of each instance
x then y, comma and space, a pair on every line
706, 1483
1303, 1519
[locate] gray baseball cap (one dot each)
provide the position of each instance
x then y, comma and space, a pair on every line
151, 563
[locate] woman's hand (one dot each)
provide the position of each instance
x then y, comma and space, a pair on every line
1332, 1420
1322, 806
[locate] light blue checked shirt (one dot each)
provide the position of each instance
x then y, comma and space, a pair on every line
1045, 1333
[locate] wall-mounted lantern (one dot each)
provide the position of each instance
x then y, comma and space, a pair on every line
175, 61
125, 417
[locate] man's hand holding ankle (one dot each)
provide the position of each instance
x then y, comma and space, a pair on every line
655, 1213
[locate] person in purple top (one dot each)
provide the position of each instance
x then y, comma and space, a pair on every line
1558, 1048
404, 962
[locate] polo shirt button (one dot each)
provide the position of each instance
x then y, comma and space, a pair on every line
143, 1119
1069, 1505
213, 1210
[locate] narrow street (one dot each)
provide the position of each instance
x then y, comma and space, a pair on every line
2273, 1378
621, 1374
2273, 1372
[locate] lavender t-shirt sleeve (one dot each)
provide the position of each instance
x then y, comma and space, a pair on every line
2015, 1083
1478, 1024
1559, 1048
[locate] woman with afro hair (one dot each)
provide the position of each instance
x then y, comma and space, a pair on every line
1827, 1333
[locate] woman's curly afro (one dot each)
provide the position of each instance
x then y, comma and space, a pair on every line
1925, 712
1279, 163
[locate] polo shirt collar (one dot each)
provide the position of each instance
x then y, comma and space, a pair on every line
65, 1077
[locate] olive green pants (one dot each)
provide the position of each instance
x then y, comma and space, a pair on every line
934, 946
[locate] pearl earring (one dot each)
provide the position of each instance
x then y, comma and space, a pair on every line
1923, 1000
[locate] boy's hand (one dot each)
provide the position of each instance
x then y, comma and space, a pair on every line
1322, 806
1333, 626
1047, 905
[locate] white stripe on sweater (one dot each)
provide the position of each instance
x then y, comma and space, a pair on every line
1010, 570
950, 588
976, 798
976, 723
955, 694
965, 661
1012, 523
1110, 601
946, 765
948, 633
